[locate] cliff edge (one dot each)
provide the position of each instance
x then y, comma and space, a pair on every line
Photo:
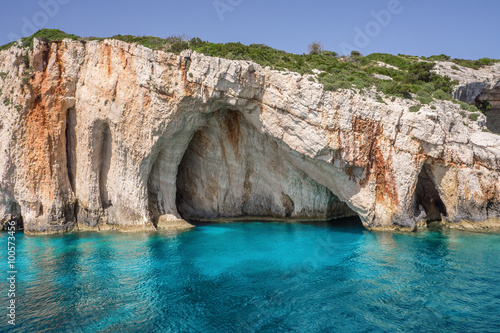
111, 135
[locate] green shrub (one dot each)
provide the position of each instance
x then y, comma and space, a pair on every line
439, 94
3, 75
178, 47
424, 97
7, 46
380, 99
433, 107
467, 107
415, 108
484, 106
455, 67
49, 35
475, 64
441, 57
6, 101
397, 61
474, 116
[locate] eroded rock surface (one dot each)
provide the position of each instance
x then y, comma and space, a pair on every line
110, 135
475, 87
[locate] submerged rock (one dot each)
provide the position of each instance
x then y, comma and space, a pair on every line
109, 135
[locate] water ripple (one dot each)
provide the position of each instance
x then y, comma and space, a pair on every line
266, 277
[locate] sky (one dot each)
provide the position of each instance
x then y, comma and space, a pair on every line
458, 28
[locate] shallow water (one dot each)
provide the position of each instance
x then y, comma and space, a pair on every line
266, 277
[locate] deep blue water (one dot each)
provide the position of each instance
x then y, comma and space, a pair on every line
266, 277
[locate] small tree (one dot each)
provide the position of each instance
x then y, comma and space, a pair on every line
356, 54
315, 48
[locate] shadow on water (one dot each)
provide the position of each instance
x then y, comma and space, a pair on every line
347, 224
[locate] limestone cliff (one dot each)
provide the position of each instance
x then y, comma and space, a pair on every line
110, 135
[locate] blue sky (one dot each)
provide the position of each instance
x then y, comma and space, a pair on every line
461, 29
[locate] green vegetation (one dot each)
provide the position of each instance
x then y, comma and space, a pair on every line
6, 101
3, 75
380, 99
18, 107
173, 44
441, 57
7, 46
474, 64
466, 107
484, 106
474, 116
415, 108
412, 77
48, 34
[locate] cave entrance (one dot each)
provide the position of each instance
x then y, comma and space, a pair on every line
427, 196
489, 102
102, 145
231, 171
493, 120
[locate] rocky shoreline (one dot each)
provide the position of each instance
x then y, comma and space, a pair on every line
102, 135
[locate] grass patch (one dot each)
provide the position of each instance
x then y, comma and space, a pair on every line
466, 107
380, 99
474, 116
415, 108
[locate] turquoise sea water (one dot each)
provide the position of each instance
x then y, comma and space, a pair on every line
248, 277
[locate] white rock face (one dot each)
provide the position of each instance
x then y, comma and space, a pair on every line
471, 82
110, 135
231, 170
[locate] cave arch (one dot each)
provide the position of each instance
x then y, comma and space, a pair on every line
231, 171
427, 197
488, 101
